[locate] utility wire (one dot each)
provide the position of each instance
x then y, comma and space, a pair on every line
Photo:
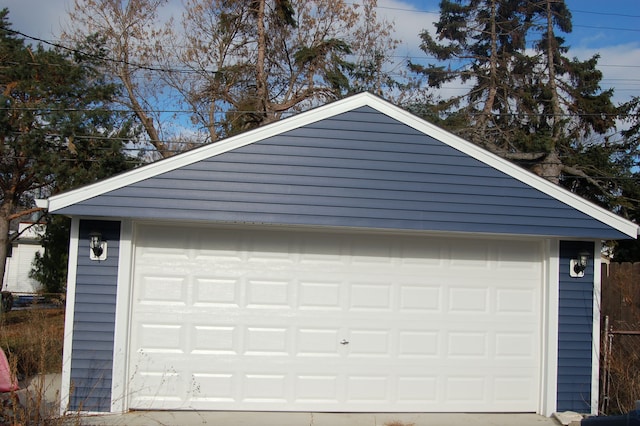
163, 69
104, 58
174, 111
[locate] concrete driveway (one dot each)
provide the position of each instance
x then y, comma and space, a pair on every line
316, 419
51, 386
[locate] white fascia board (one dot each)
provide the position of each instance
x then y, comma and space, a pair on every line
42, 203
65, 199
363, 99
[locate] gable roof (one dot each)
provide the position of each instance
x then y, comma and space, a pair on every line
361, 138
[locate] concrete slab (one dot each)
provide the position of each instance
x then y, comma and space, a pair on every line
227, 418
49, 385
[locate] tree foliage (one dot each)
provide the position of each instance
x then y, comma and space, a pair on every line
50, 266
257, 60
237, 64
527, 100
131, 36
56, 126
629, 186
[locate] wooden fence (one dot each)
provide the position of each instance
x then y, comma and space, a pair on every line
620, 339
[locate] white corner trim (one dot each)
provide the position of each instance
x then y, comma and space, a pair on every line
595, 355
60, 201
549, 367
42, 203
119, 381
65, 387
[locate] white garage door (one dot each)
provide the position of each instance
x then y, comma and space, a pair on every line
226, 319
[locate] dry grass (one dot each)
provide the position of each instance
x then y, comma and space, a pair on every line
624, 374
32, 341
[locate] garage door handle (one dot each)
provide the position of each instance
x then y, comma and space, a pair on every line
344, 342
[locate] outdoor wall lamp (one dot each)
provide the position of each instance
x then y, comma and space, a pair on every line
98, 247
578, 266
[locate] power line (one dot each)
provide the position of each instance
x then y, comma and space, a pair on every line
133, 140
164, 69
607, 28
436, 12
172, 111
104, 58
623, 15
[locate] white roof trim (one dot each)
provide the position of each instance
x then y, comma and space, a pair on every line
42, 204
65, 199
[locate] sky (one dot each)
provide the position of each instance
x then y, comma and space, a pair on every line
609, 28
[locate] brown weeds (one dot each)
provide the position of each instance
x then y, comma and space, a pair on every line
621, 342
32, 341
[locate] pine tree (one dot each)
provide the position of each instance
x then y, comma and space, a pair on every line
481, 42
56, 126
539, 109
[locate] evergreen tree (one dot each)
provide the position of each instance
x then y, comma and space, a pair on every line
541, 109
56, 126
481, 42
629, 183
50, 266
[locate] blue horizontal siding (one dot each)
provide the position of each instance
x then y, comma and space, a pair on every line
575, 332
94, 320
358, 169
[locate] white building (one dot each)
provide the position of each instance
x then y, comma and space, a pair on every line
19, 262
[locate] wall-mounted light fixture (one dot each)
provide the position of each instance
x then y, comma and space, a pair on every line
578, 266
98, 247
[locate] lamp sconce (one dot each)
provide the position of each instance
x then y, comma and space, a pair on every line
578, 266
97, 247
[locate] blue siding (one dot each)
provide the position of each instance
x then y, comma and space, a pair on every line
94, 321
575, 328
357, 169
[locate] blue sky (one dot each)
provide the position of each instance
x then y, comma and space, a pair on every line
610, 28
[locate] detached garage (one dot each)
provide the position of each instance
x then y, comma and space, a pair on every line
351, 258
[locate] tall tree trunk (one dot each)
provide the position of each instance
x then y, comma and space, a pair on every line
261, 75
147, 122
551, 166
493, 73
555, 102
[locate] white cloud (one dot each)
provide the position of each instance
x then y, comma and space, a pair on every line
409, 23
37, 18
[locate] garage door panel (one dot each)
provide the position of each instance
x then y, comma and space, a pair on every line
518, 302
418, 344
214, 340
267, 320
370, 296
216, 292
419, 298
317, 388
320, 295
163, 290
318, 342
